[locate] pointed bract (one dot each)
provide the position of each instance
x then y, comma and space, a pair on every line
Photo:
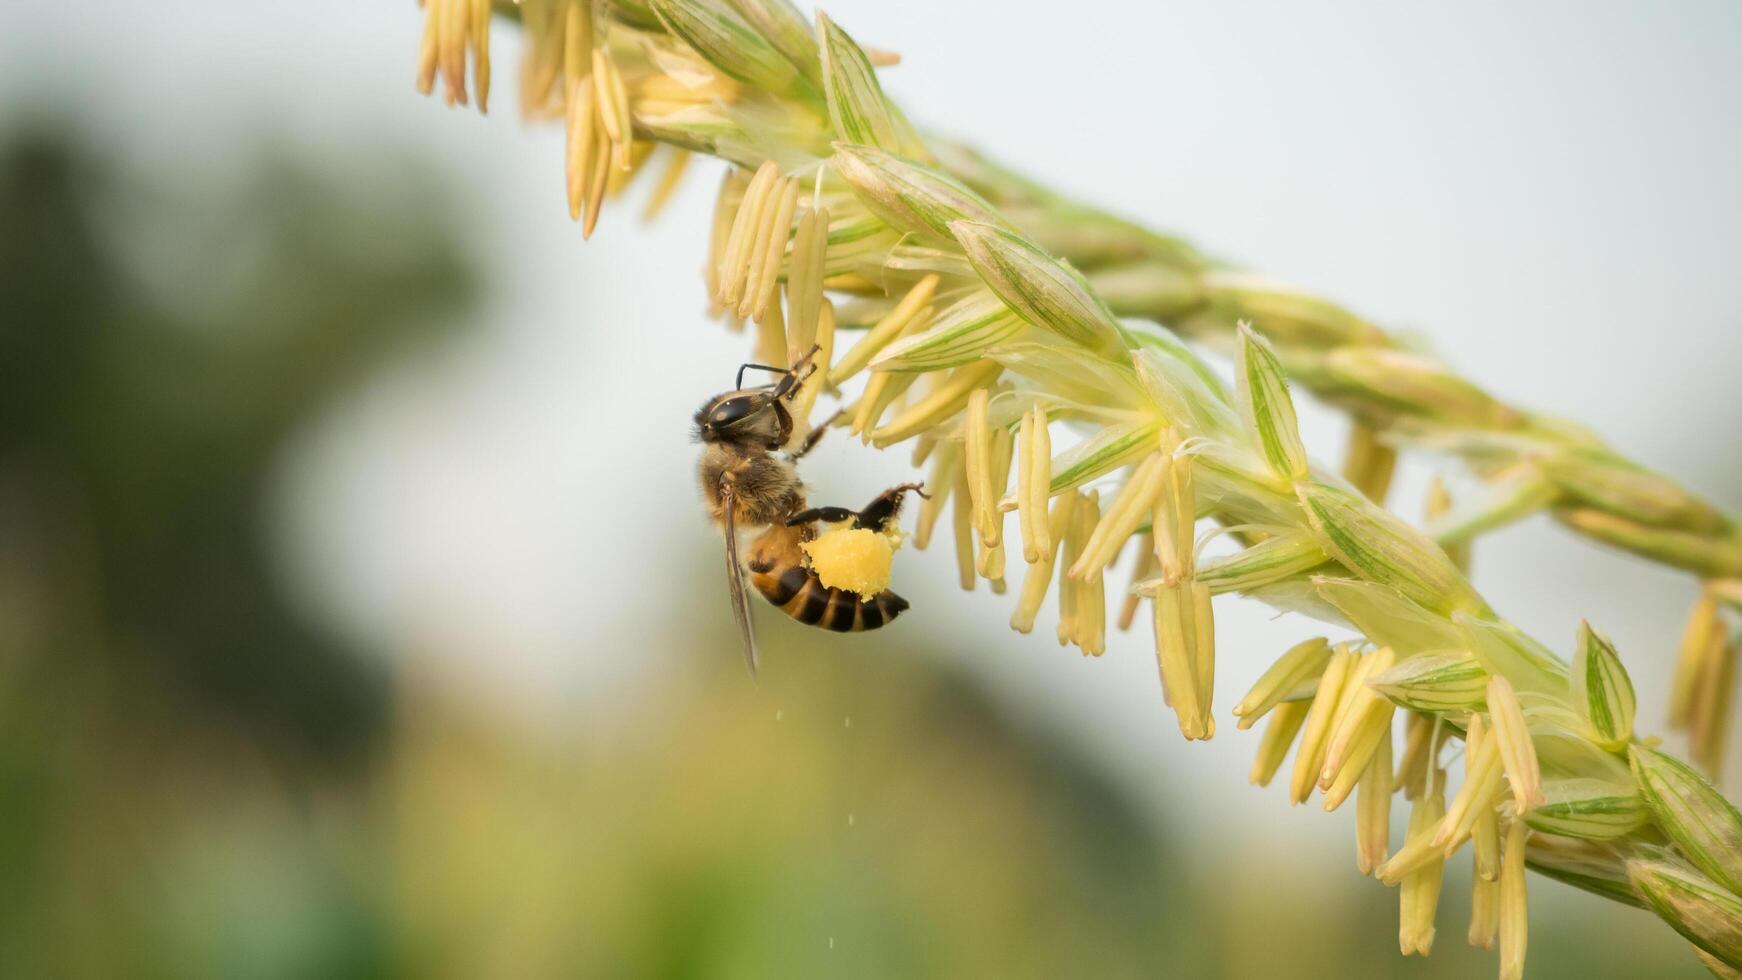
1376, 545
1705, 913
720, 34
1043, 290
1268, 409
1602, 691
1435, 683
1704, 825
857, 108
909, 196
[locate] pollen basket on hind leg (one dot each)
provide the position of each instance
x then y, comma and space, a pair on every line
853, 559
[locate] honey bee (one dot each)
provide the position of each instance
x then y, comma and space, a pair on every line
749, 478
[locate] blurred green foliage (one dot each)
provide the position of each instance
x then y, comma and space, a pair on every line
139, 419
162, 340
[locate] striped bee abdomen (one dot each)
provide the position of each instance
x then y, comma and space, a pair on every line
778, 571
800, 594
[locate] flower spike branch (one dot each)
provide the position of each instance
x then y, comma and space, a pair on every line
994, 317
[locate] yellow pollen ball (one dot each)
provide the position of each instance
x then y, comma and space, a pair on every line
854, 559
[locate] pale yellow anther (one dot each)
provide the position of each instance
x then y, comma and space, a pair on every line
1204, 650
1303, 663
543, 64
1141, 570
1373, 809
673, 94
851, 282
1517, 752
1484, 912
885, 387
613, 105
990, 557
885, 330
1485, 843
1514, 911
1285, 723
1419, 734
726, 205
1418, 850
880, 58
580, 145
804, 281
1354, 690
1174, 519
1091, 618
676, 163
460, 17
451, 34
1695, 650
598, 174
427, 48
1136, 501
963, 514
1038, 578
637, 153
1003, 454
1482, 775
1419, 890
746, 226
1439, 501
977, 432
1369, 463
1185, 653
1174, 634
1309, 759
824, 343
577, 42
1708, 720
763, 274
880, 392
1028, 519
481, 52
1071, 547
946, 460
1365, 718
989, 565
938, 404
770, 335
1039, 464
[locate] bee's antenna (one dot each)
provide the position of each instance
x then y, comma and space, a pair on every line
760, 367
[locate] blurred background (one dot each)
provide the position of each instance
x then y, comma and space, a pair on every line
358, 619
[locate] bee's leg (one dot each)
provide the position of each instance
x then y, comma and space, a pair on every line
888, 503
828, 515
796, 375
816, 435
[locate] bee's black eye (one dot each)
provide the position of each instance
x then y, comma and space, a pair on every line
729, 411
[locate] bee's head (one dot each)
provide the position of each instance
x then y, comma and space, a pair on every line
748, 416
755, 417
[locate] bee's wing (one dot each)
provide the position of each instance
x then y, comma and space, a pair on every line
735, 580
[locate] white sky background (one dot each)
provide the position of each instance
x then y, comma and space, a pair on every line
1550, 196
